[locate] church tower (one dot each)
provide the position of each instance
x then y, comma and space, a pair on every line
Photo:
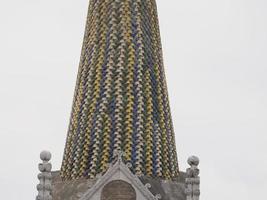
120, 142
121, 100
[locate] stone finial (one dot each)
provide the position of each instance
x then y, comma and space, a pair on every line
45, 156
119, 154
192, 181
193, 171
193, 160
45, 186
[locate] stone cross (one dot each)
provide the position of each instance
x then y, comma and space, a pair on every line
192, 181
45, 186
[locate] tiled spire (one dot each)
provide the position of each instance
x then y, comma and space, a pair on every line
121, 101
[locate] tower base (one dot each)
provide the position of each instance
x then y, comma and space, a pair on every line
118, 183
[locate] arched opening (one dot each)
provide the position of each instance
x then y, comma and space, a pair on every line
118, 190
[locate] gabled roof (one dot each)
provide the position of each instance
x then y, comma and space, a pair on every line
121, 169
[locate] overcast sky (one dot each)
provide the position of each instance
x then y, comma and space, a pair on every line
215, 54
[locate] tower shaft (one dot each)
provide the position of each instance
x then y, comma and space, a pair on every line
121, 100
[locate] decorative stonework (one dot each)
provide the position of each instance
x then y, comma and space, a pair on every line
120, 171
45, 186
192, 181
145, 187
119, 155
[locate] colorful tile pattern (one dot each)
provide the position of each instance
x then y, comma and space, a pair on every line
121, 100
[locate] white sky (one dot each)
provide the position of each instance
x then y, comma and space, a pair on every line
215, 56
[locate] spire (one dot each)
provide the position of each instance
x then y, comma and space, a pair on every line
121, 101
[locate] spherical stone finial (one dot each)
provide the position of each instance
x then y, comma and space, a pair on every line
193, 160
45, 156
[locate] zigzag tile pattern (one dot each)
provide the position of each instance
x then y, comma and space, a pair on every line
121, 100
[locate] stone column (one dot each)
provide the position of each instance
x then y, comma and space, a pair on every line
45, 186
192, 181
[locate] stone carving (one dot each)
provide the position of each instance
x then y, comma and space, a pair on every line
139, 174
131, 178
157, 197
119, 154
129, 165
45, 186
192, 181
148, 185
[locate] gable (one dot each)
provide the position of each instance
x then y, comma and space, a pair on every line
119, 172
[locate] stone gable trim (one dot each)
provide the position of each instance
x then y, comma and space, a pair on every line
132, 179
